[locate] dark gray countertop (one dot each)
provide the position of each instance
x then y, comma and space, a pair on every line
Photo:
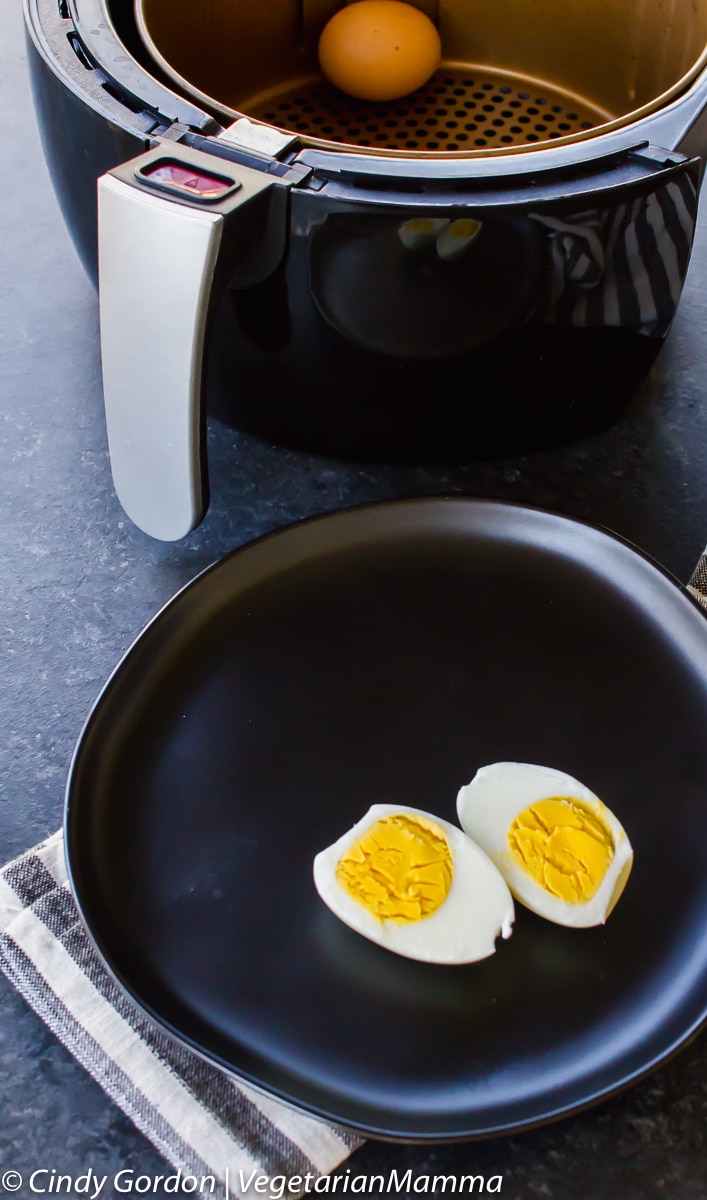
78, 582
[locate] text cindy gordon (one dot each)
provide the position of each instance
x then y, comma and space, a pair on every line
248, 1184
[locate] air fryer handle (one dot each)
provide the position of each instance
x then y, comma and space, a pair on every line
166, 227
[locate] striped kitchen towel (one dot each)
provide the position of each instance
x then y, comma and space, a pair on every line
199, 1118
697, 587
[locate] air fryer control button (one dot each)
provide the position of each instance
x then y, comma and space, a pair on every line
178, 177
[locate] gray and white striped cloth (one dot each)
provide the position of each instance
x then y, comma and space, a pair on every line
199, 1118
697, 587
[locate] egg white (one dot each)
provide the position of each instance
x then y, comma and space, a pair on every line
477, 909
421, 231
487, 808
457, 237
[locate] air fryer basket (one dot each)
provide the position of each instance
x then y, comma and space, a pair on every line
513, 76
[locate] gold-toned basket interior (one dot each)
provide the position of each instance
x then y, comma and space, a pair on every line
455, 110
513, 76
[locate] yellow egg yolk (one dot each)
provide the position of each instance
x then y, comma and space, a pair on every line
464, 229
563, 846
400, 870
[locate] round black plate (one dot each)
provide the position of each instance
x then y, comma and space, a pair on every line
384, 654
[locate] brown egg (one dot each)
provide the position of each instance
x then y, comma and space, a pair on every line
379, 49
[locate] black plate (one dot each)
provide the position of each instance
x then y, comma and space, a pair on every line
384, 654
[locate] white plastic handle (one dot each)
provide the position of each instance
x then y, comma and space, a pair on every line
156, 266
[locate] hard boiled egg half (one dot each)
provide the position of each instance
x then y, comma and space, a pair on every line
416, 885
560, 850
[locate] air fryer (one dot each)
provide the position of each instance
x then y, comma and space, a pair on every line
486, 266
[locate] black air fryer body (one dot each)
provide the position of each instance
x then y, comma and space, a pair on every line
347, 334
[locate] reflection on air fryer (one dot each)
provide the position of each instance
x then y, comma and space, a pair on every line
428, 287
622, 266
409, 293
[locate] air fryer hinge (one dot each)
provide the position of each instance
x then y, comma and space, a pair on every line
292, 173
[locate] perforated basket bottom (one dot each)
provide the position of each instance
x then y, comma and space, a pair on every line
459, 108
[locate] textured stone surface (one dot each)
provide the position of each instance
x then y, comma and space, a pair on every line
78, 582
